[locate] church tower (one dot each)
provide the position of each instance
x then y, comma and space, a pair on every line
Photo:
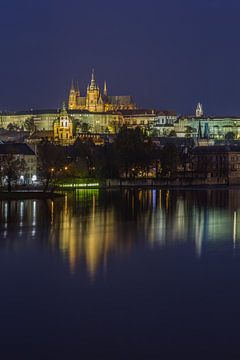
93, 101
72, 102
199, 110
63, 127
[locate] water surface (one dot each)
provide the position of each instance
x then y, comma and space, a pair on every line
121, 275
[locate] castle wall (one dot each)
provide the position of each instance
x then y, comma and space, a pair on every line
98, 122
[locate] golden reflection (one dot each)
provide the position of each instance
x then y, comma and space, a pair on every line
88, 237
160, 199
89, 226
167, 200
92, 236
234, 228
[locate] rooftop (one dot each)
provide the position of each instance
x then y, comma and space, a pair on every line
16, 149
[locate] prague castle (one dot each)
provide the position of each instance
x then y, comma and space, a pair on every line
97, 101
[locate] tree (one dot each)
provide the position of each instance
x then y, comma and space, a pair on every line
169, 159
11, 169
29, 124
78, 168
230, 136
154, 132
106, 161
52, 160
132, 149
12, 127
172, 133
189, 131
85, 128
76, 125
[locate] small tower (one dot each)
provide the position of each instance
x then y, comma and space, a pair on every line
72, 101
199, 110
105, 89
93, 96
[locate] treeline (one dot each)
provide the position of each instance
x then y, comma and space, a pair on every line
132, 154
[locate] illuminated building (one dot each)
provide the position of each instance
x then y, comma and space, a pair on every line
218, 126
97, 101
63, 127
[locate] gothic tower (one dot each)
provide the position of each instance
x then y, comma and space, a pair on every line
72, 102
93, 100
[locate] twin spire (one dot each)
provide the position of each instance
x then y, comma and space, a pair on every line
92, 86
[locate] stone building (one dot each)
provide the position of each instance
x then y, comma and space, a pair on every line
217, 164
218, 127
97, 101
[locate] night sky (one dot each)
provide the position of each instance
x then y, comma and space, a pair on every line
166, 53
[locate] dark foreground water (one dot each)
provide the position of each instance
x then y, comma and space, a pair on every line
121, 275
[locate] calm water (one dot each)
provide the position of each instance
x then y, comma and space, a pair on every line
121, 275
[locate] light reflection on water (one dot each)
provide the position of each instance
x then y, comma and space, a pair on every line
89, 226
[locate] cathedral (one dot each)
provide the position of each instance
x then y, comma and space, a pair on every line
96, 101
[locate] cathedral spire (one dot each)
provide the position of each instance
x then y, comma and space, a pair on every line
93, 82
72, 85
93, 79
105, 88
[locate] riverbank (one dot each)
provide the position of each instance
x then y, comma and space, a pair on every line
210, 182
31, 195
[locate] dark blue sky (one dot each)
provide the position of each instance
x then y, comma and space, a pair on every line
166, 53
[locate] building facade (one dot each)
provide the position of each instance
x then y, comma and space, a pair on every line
217, 127
63, 128
216, 164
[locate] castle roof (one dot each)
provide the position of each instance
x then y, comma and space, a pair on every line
141, 112
16, 149
42, 134
120, 100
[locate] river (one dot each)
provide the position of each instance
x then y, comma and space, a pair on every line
131, 274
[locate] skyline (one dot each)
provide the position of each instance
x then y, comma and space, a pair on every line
164, 54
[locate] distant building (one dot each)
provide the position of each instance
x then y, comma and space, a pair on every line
217, 127
20, 151
97, 101
159, 122
217, 164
